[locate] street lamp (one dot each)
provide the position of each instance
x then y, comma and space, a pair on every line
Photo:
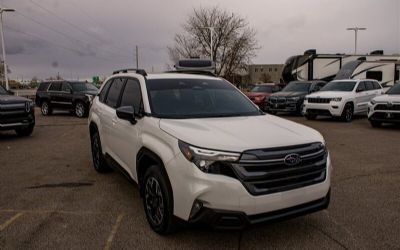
2, 43
211, 28
356, 29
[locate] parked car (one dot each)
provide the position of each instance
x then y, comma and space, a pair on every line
16, 113
65, 95
342, 98
200, 151
385, 108
290, 98
260, 92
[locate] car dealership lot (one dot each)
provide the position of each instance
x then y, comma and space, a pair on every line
51, 197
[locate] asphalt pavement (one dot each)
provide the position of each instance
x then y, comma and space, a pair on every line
51, 197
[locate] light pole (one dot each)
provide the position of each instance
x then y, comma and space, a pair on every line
211, 28
2, 43
356, 29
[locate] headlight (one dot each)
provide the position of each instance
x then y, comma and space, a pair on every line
204, 158
306, 98
336, 99
90, 97
294, 99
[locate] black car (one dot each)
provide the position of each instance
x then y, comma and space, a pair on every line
16, 113
291, 98
65, 95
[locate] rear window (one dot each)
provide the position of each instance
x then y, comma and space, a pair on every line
376, 85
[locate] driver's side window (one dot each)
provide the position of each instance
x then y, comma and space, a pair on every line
361, 87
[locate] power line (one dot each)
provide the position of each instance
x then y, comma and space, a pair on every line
60, 45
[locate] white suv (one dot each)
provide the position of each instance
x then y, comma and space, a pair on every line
202, 152
341, 98
385, 108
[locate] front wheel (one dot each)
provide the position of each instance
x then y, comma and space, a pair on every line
25, 131
46, 109
347, 114
375, 124
158, 201
310, 116
80, 109
99, 162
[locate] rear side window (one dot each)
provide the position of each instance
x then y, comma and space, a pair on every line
361, 87
132, 95
43, 86
65, 87
369, 86
104, 90
115, 92
376, 85
55, 86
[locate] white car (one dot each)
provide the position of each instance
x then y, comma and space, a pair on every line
385, 108
202, 152
341, 98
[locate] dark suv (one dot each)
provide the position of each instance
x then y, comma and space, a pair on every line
16, 113
66, 95
291, 98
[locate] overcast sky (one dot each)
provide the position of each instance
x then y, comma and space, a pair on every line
82, 38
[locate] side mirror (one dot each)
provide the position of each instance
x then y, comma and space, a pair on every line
127, 113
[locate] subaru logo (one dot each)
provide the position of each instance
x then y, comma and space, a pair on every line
292, 159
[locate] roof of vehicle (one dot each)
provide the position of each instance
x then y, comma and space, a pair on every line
170, 76
354, 80
266, 84
69, 81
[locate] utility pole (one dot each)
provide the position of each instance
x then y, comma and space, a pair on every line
2, 44
356, 29
211, 28
137, 57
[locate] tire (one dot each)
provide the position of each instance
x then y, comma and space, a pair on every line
80, 109
46, 108
25, 131
375, 124
99, 163
158, 201
347, 113
310, 116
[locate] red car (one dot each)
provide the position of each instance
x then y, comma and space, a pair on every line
261, 91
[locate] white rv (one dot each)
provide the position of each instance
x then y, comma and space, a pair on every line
313, 66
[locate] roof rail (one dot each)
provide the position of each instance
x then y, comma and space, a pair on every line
137, 71
194, 72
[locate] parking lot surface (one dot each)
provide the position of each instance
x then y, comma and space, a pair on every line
51, 197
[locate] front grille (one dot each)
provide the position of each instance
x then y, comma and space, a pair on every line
319, 100
268, 173
279, 100
386, 116
395, 107
11, 113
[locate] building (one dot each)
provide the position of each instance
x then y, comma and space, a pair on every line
258, 73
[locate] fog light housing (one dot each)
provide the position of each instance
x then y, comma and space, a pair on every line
335, 107
197, 206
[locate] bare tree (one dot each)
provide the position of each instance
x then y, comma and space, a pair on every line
234, 43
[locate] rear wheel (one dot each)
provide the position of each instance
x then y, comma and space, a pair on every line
25, 131
46, 108
158, 201
375, 124
347, 113
99, 162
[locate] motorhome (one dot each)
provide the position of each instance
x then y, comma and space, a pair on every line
313, 66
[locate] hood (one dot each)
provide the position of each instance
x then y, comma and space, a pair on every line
289, 94
11, 99
238, 134
257, 94
331, 94
387, 98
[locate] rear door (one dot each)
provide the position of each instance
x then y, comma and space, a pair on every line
362, 98
65, 97
54, 94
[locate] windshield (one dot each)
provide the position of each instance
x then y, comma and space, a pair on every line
297, 87
3, 91
347, 86
263, 88
197, 98
395, 90
83, 86
347, 70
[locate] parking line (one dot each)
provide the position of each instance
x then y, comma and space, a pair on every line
113, 232
10, 221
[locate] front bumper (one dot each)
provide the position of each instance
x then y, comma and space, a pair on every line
219, 192
10, 122
330, 109
283, 107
